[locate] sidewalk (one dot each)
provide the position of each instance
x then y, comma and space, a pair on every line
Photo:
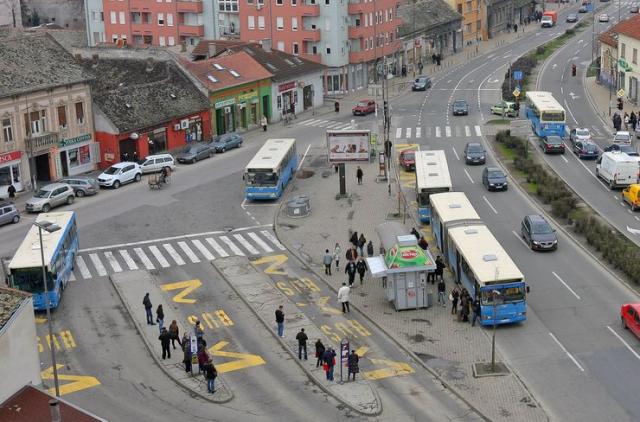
446, 347
599, 94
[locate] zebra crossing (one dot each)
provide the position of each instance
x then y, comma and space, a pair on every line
153, 255
327, 124
466, 131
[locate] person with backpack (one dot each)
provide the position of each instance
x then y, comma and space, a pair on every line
329, 362
442, 299
351, 270
148, 309
302, 343
319, 352
174, 334
361, 266
210, 374
187, 355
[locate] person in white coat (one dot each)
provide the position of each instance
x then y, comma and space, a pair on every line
343, 297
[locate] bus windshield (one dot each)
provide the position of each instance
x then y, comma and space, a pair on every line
262, 178
30, 280
552, 116
506, 295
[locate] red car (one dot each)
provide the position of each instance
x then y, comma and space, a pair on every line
364, 107
408, 159
630, 315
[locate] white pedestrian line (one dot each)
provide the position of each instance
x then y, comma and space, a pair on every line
231, 245
84, 271
260, 242
113, 262
565, 160
190, 254
309, 122
418, 132
216, 247
567, 352
128, 260
319, 123
98, 264
624, 342
408, 132
398, 133
478, 132
565, 285
273, 240
447, 131
335, 125
203, 250
156, 252
173, 253
467, 131
246, 244
144, 258
437, 131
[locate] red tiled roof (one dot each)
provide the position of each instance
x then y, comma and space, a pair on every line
202, 49
609, 37
247, 69
629, 27
31, 404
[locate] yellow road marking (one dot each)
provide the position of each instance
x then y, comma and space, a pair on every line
322, 304
207, 318
40, 320
224, 318
80, 382
244, 360
300, 304
276, 262
67, 339
393, 369
360, 351
187, 287
402, 147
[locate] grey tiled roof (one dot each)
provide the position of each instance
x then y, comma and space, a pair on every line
425, 15
134, 98
10, 301
34, 61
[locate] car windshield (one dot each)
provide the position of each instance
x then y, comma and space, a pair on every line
590, 147
190, 149
222, 140
495, 174
112, 170
266, 178
622, 137
409, 155
459, 104
42, 193
582, 132
553, 140
542, 228
474, 148
421, 80
626, 148
362, 104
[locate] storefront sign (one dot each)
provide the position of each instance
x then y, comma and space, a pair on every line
247, 96
76, 140
287, 86
225, 103
10, 156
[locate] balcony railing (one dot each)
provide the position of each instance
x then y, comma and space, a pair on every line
43, 141
191, 30
189, 6
309, 9
368, 55
310, 35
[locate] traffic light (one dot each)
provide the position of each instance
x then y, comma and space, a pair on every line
620, 104
573, 70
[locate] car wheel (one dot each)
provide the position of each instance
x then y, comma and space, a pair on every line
116, 184
16, 218
80, 193
46, 208
223, 150
70, 199
193, 161
138, 177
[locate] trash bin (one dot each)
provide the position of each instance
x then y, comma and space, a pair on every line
298, 206
336, 107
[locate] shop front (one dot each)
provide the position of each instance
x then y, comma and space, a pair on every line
298, 95
287, 97
76, 155
11, 172
225, 115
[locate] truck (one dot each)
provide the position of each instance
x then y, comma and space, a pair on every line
549, 19
618, 169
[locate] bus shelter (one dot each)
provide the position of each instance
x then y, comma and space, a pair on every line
404, 266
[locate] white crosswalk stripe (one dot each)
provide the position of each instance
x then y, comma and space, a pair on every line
216, 247
82, 266
418, 132
128, 260
173, 254
398, 133
437, 131
467, 131
203, 250
408, 132
246, 244
98, 264
159, 257
260, 242
447, 131
190, 254
273, 240
113, 262
72, 277
236, 250
478, 131
144, 258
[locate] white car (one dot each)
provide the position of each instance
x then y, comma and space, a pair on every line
603, 18
155, 163
119, 174
622, 137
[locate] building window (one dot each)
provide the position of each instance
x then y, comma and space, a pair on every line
296, 49
327, 24
314, 50
328, 50
327, 2
279, 23
114, 17
478, 25
261, 22
634, 58
622, 49
35, 122
251, 21
169, 19
80, 113
294, 24
281, 45
228, 5
279, 2
161, 40
161, 19
114, 37
97, 16
7, 130
122, 19
171, 41
62, 117
279, 102
467, 28
294, 2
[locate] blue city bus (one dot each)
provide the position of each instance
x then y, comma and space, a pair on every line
269, 172
432, 176
59, 249
546, 114
448, 210
480, 263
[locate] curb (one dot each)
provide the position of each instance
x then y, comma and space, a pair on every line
208, 398
592, 102
294, 357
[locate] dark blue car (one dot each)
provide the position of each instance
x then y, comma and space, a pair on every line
222, 143
586, 149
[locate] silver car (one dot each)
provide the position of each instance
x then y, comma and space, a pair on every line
8, 213
82, 186
50, 196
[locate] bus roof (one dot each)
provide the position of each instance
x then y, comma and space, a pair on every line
28, 253
271, 154
432, 170
453, 206
483, 253
543, 100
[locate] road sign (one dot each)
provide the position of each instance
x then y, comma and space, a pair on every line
517, 75
516, 92
620, 93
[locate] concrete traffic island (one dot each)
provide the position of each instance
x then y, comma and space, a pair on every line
131, 286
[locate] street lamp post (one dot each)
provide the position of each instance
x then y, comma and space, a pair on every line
495, 295
49, 227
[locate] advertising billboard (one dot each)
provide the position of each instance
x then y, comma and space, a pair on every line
348, 145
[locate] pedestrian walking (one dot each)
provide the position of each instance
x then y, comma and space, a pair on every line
455, 296
329, 362
336, 255
350, 269
515, 28
263, 123
361, 242
302, 343
351, 254
160, 317
11, 190
319, 352
626, 121
359, 175
352, 362
475, 312
465, 305
370, 248
354, 239
433, 58
327, 260
343, 297
416, 233
423, 243
280, 321
361, 266
148, 309
203, 357
442, 299
633, 119
174, 334
440, 266
210, 374
186, 350
164, 342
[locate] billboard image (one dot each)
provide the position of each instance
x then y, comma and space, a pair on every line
348, 145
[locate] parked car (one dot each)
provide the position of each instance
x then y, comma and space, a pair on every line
603, 17
81, 185
586, 149
583, 9
155, 163
50, 196
194, 152
551, 144
627, 149
630, 316
474, 153
633, 9
8, 213
505, 108
572, 17
119, 174
631, 195
579, 134
460, 108
364, 107
422, 83
622, 137
494, 178
408, 159
538, 233
222, 143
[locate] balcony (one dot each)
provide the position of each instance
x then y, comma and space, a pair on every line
141, 26
309, 9
41, 142
358, 7
189, 6
310, 56
356, 32
191, 30
135, 5
310, 35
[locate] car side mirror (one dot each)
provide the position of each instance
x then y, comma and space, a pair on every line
528, 289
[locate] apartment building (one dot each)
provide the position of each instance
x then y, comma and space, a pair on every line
349, 37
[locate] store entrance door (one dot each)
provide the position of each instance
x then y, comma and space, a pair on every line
307, 97
63, 162
43, 168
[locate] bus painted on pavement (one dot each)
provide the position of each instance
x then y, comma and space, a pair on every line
59, 248
479, 262
546, 114
268, 173
432, 176
448, 210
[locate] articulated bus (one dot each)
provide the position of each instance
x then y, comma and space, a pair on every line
448, 210
432, 176
480, 263
546, 114
268, 173
59, 250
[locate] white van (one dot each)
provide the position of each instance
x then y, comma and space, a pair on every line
617, 169
155, 163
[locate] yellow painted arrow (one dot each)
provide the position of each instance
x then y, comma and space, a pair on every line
360, 351
186, 286
80, 382
393, 369
322, 304
244, 360
276, 262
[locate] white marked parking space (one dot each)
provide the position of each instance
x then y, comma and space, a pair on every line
489, 204
565, 160
565, 285
574, 360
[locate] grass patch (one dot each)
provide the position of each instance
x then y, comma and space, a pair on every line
506, 152
592, 70
532, 187
498, 122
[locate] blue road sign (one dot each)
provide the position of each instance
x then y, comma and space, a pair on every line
517, 75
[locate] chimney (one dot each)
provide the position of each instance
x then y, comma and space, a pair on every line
212, 50
54, 407
266, 45
149, 68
